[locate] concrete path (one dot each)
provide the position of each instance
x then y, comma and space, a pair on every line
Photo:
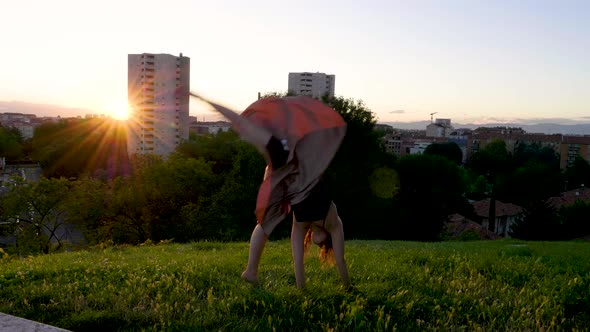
10, 323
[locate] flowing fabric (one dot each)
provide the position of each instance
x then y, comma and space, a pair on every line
313, 132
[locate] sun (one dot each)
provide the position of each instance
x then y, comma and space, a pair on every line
118, 110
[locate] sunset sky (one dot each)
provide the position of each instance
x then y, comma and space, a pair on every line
471, 61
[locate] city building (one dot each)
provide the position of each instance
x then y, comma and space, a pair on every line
25, 123
571, 147
315, 85
8, 117
26, 129
393, 143
566, 146
158, 92
404, 142
461, 138
440, 128
419, 146
210, 128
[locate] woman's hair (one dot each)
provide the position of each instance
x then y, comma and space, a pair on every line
326, 248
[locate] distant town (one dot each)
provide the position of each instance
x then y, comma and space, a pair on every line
26, 123
405, 142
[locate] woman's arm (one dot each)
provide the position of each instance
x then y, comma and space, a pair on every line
248, 130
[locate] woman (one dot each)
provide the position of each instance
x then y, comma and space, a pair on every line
298, 137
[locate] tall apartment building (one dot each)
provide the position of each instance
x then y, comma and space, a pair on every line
159, 118
571, 147
315, 85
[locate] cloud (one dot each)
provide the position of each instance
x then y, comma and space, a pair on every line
522, 121
563, 121
397, 112
487, 119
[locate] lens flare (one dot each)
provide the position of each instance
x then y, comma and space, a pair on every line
118, 110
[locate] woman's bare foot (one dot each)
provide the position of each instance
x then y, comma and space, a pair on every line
250, 278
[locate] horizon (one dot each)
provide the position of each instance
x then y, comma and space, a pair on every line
549, 126
47, 110
470, 62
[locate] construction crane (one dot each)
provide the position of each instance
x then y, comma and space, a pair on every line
431, 114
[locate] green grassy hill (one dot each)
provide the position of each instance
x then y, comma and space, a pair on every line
494, 285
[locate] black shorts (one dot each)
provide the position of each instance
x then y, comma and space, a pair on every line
315, 206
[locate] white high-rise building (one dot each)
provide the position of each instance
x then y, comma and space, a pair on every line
315, 85
158, 91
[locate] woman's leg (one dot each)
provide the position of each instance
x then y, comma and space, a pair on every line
297, 238
336, 229
257, 242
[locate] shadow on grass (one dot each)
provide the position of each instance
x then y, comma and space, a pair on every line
99, 321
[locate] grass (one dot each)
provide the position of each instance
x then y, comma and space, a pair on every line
488, 286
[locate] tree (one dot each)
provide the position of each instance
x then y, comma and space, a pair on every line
171, 186
349, 175
11, 143
575, 220
238, 170
431, 188
578, 174
37, 213
493, 162
540, 222
278, 94
88, 209
526, 153
449, 150
73, 147
152, 202
219, 149
238, 189
530, 183
479, 186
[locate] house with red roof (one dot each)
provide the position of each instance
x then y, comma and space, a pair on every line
507, 215
459, 227
568, 198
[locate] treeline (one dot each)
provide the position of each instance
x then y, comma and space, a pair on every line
12, 145
207, 189
71, 147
